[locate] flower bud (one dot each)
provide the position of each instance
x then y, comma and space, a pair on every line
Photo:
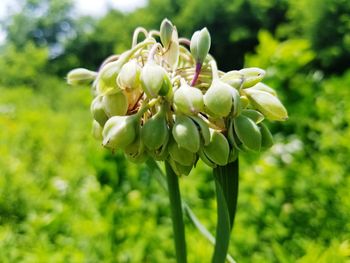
234, 78
155, 80
129, 76
267, 104
96, 130
120, 131
233, 154
171, 55
135, 151
251, 76
188, 100
200, 45
218, 150
155, 132
254, 115
98, 110
266, 136
180, 155
203, 129
180, 169
263, 87
244, 101
115, 104
166, 31
80, 76
248, 132
218, 98
186, 134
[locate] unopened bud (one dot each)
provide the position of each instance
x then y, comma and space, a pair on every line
263, 87
96, 130
166, 31
181, 155
188, 100
248, 132
155, 80
266, 136
80, 76
234, 78
115, 104
218, 98
218, 149
251, 76
186, 134
98, 110
200, 45
129, 76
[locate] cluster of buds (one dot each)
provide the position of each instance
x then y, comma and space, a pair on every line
167, 100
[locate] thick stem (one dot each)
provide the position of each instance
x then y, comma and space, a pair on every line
176, 214
196, 74
226, 183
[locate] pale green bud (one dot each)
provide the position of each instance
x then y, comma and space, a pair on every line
180, 169
205, 159
186, 134
155, 80
267, 104
166, 31
234, 78
188, 100
171, 55
155, 131
120, 131
200, 45
248, 132
251, 76
266, 136
254, 115
135, 152
115, 104
263, 87
218, 98
129, 76
203, 129
181, 155
244, 101
96, 130
218, 150
98, 111
80, 76
236, 100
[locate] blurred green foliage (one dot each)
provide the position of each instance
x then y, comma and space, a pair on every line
65, 199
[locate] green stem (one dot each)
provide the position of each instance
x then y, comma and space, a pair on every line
226, 183
176, 213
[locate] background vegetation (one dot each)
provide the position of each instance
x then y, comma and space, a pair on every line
65, 199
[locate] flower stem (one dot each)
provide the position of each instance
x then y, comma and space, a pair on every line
176, 214
196, 74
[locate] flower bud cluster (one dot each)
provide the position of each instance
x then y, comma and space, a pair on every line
168, 101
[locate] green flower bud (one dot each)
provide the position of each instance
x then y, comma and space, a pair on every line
218, 150
233, 139
180, 155
233, 154
244, 101
98, 110
203, 128
186, 134
266, 136
80, 76
96, 130
263, 87
115, 104
166, 31
188, 100
155, 80
180, 169
218, 98
254, 115
267, 104
200, 45
135, 151
120, 131
155, 132
248, 132
171, 55
237, 107
129, 76
251, 76
205, 159
234, 78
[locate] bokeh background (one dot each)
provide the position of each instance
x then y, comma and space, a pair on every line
65, 199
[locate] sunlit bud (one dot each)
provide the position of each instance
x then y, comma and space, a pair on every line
188, 100
244, 102
180, 155
234, 78
129, 76
115, 104
218, 98
80, 76
186, 134
248, 132
236, 100
200, 45
155, 80
155, 132
171, 55
266, 136
263, 87
96, 130
120, 131
267, 104
180, 169
203, 128
166, 31
98, 110
218, 149
251, 76
254, 115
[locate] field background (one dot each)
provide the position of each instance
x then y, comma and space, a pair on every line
65, 199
